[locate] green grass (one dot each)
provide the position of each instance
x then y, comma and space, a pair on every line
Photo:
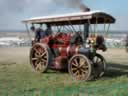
18, 79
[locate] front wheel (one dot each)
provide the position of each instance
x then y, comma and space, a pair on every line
80, 67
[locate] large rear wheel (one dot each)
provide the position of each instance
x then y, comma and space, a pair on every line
80, 67
40, 57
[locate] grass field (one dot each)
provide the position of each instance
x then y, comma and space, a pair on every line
17, 77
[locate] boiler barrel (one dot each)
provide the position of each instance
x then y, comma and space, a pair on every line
84, 51
71, 50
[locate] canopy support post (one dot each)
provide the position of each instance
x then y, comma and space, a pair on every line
91, 29
59, 28
107, 30
80, 26
104, 26
72, 26
96, 26
28, 32
86, 31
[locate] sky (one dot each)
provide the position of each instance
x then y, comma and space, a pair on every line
12, 12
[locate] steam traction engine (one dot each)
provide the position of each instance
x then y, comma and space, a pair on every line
72, 50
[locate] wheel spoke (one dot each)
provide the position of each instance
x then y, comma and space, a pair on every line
37, 55
76, 62
34, 59
36, 65
83, 64
84, 71
84, 67
78, 76
45, 56
43, 60
73, 69
36, 50
82, 61
42, 55
43, 64
39, 66
76, 73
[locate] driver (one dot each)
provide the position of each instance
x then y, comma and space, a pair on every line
39, 33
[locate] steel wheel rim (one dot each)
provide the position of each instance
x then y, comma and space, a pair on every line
80, 68
39, 58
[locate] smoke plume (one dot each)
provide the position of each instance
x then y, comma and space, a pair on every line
73, 4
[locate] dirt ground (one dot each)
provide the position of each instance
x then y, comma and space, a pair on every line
14, 55
119, 56
20, 55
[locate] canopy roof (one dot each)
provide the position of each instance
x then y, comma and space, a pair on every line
74, 18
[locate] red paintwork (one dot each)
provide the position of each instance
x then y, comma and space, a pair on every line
60, 62
62, 37
46, 39
62, 40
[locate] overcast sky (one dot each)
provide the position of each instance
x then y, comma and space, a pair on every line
12, 12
